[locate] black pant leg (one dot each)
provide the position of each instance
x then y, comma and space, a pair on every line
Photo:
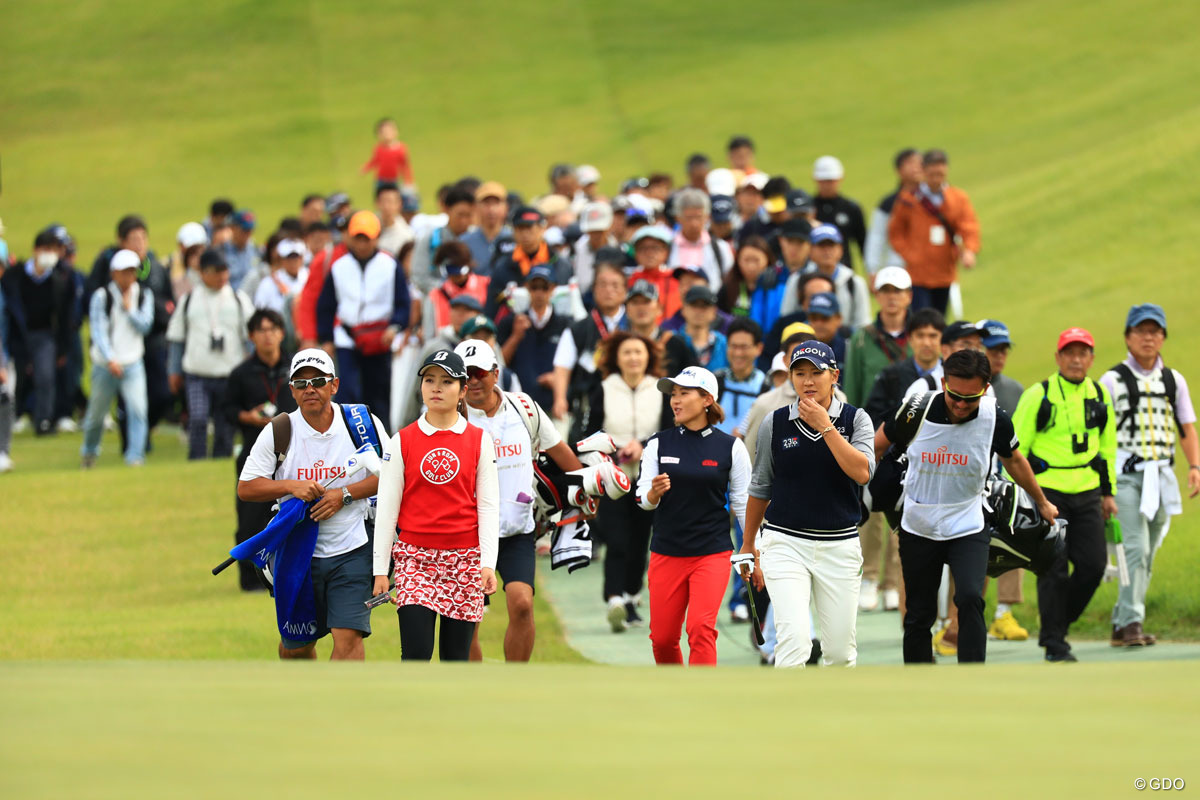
640, 522
614, 519
416, 632
251, 518
1087, 551
921, 562
377, 385
1052, 590
454, 639
967, 557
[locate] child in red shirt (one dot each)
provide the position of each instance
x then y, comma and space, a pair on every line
390, 159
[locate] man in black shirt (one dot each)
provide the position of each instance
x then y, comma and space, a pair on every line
833, 209
924, 330
255, 392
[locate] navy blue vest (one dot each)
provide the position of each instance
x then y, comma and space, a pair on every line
811, 496
691, 519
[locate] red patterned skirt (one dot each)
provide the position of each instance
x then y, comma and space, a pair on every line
445, 581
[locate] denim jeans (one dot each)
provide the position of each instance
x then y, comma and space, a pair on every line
105, 386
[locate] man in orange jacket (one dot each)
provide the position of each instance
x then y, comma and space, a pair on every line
932, 228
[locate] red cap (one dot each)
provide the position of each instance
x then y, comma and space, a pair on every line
1073, 335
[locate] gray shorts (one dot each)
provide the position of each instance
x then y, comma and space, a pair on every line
342, 584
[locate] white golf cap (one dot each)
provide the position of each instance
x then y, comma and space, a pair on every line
587, 175
897, 277
124, 259
596, 217
475, 353
756, 179
191, 234
778, 364
312, 357
828, 168
290, 247
691, 378
720, 181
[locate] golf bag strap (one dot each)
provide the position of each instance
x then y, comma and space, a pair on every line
361, 426
281, 431
526, 409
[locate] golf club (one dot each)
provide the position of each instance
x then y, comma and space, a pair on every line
364, 458
757, 626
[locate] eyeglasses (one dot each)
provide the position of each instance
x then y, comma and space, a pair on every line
300, 384
965, 398
477, 374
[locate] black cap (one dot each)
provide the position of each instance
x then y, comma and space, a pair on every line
958, 329
527, 215
610, 255
799, 201
796, 228
212, 259
448, 360
700, 294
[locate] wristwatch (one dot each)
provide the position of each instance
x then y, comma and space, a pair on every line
346, 498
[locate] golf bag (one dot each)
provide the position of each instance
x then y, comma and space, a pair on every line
563, 499
885, 492
1020, 536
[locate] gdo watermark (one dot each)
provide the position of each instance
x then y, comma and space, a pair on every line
1159, 784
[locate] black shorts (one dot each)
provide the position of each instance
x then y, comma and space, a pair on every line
516, 559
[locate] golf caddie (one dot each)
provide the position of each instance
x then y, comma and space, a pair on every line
950, 437
300, 455
1067, 426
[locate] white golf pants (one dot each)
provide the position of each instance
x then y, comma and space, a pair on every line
798, 571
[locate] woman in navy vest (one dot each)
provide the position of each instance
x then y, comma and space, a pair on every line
686, 472
813, 457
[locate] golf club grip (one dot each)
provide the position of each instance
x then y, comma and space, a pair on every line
755, 624
219, 568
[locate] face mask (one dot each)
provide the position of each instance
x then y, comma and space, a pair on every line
45, 261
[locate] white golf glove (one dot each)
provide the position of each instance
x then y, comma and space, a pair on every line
738, 560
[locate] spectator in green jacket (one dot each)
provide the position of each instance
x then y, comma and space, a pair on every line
882, 342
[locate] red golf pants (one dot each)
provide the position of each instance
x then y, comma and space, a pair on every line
693, 586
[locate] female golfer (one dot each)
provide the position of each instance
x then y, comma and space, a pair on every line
438, 484
686, 472
812, 457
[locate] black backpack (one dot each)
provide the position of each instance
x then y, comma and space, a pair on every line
886, 489
1135, 395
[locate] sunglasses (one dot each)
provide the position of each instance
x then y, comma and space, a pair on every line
300, 384
475, 373
965, 398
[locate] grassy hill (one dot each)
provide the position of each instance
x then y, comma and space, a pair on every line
1072, 125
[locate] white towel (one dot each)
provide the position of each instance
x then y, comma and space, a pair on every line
571, 546
1159, 488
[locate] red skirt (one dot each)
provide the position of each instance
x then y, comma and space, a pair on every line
444, 581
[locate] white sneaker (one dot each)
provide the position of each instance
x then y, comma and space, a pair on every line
110, 424
6, 462
66, 425
891, 600
740, 613
21, 425
617, 616
868, 596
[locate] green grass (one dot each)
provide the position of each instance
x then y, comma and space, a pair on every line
1071, 124
114, 564
132, 729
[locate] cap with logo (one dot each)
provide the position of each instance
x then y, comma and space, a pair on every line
816, 353
191, 234
477, 354
541, 272
1146, 312
642, 288
799, 201
491, 189
796, 228
476, 323
995, 333
312, 357
691, 378
447, 360
825, 233
828, 168
722, 208
596, 217
896, 277
958, 329
655, 232
363, 223
244, 219
124, 259
1075, 336
700, 294
527, 215
290, 248
824, 303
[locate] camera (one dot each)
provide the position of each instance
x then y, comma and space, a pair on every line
216, 343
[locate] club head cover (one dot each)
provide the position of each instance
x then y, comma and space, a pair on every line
599, 442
